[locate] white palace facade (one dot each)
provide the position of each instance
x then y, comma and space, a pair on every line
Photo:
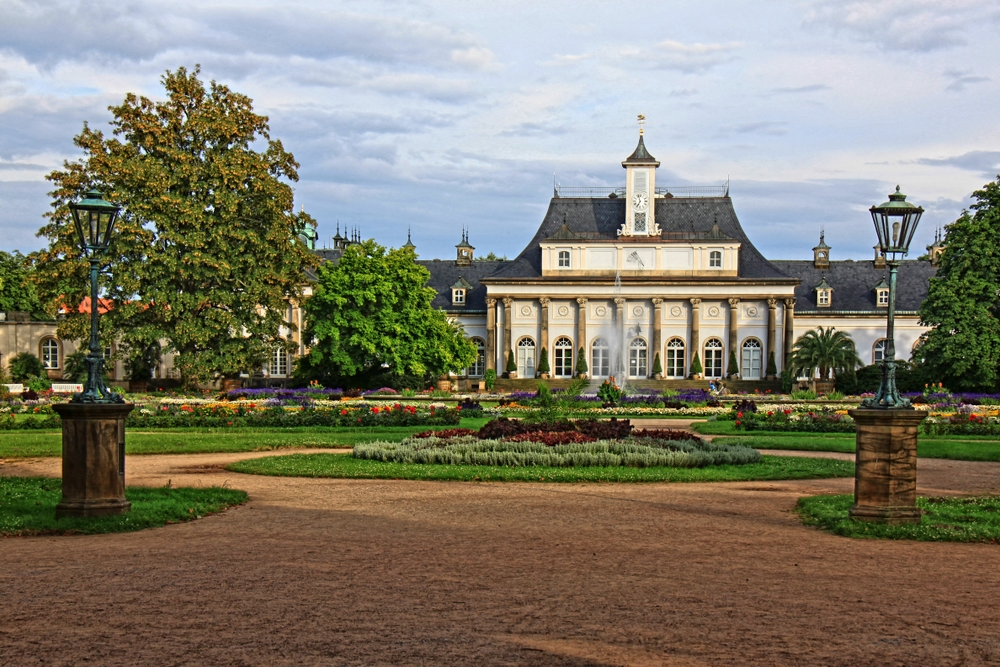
629, 273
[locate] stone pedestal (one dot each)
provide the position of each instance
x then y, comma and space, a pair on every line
885, 478
93, 459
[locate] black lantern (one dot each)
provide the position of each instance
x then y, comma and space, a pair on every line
95, 221
895, 223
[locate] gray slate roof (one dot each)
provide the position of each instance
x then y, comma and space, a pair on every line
852, 284
445, 273
678, 218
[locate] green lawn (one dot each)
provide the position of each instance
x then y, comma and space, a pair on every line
28, 507
944, 520
346, 466
959, 447
17, 444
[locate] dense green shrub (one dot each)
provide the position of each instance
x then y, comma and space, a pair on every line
962, 424
784, 420
581, 362
643, 453
24, 366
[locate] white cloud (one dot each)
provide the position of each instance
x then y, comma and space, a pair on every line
694, 58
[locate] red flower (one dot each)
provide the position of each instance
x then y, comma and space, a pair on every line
230, 423
739, 415
737, 422
343, 412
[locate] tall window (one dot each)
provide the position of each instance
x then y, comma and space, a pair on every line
752, 352
563, 357
564, 259
600, 358
637, 356
675, 358
50, 354
479, 366
713, 358
526, 358
715, 259
878, 351
279, 362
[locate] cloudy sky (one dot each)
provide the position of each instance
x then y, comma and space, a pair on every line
439, 115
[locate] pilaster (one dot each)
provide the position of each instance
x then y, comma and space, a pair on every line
581, 327
544, 343
734, 312
491, 334
507, 303
772, 306
657, 330
788, 330
695, 330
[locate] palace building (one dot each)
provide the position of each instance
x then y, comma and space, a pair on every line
621, 275
625, 274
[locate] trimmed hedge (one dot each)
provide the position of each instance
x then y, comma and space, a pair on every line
638, 453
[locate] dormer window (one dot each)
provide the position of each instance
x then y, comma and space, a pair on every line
881, 293
564, 259
715, 259
824, 294
460, 292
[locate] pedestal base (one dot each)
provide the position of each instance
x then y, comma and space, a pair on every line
885, 477
93, 461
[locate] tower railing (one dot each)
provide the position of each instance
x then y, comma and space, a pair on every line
682, 191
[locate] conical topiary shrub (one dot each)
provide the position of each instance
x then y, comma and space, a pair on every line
734, 368
511, 364
696, 369
772, 367
657, 368
543, 363
581, 364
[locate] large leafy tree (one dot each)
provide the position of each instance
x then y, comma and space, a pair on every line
826, 349
962, 348
17, 291
370, 314
205, 256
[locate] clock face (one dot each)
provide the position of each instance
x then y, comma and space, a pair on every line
639, 201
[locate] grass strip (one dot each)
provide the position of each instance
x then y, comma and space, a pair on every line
975, 519
955, 448
28, 507
20, 444
346, 466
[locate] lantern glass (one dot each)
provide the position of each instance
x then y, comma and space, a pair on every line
94, 219
895, 223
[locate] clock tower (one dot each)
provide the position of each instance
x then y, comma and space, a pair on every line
640, 191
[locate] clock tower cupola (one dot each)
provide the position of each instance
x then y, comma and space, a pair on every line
640, 191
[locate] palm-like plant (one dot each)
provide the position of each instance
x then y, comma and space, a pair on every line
828, 350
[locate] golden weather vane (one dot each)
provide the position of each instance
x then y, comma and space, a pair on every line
642, 119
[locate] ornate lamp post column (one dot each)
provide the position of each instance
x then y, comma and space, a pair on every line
885, 482
93, 422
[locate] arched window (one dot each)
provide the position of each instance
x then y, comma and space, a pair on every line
715, 259
526, 357
50, 354
878, 351
675, 358
713, 358
279, 363
637, 356
752, 355
478, 367
564, 259
600, 358
563, 357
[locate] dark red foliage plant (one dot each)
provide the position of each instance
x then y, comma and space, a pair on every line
664, 434
445, 433
550, 438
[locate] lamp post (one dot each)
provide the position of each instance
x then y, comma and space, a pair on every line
885, 478
95, 222
895, 222
93, 422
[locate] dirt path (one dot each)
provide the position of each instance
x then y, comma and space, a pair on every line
359, 572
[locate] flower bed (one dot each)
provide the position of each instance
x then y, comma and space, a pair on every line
223, 415
962, 424
786, 420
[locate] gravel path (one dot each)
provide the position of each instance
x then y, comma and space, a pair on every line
382, 572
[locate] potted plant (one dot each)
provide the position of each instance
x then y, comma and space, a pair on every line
543, 364
696, 368
772, 367
733, 369
511, 365
581, 365
657, 368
